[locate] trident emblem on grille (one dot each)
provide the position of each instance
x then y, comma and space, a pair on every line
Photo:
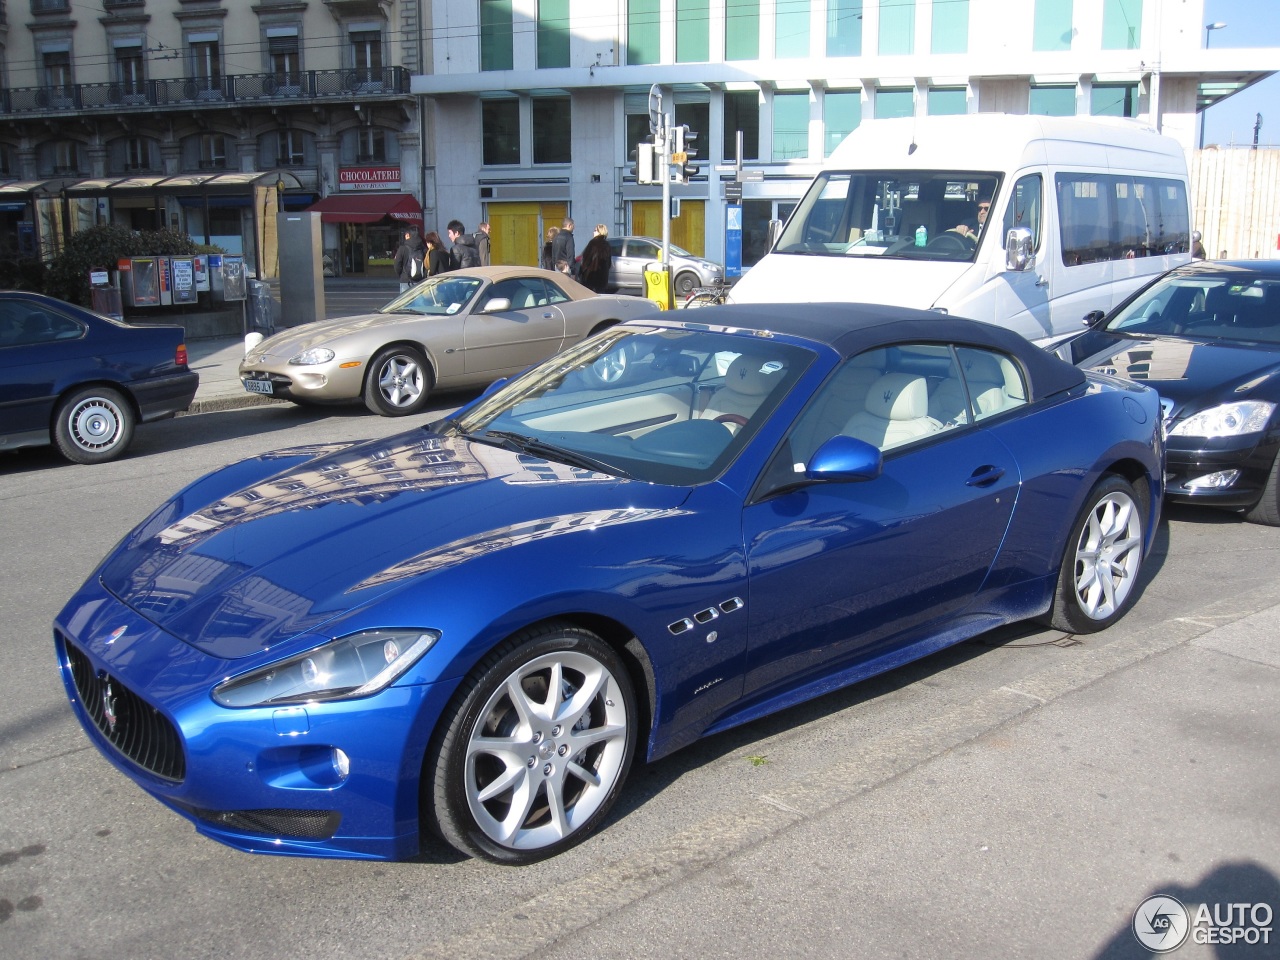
109, 708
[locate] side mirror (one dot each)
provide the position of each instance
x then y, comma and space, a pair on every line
844, 459
1094, 318
497, 305
771, 238
1018, 255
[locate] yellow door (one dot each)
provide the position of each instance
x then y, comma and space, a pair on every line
516, 230
687, 230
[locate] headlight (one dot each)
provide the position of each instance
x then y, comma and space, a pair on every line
343, 669
1227, 420
314, 355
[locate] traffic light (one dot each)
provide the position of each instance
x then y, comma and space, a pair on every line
682, 153
645, 163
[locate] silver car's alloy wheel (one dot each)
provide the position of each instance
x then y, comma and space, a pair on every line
400, 380
548, 747
612, 367
1108, 555
398, 383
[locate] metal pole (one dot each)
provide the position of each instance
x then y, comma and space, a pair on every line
664, 171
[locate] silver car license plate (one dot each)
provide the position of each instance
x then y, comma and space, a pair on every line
258, 386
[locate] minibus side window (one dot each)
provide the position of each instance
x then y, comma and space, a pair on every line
1107, 217
1024, 208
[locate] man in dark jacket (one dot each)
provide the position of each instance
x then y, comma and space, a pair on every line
463, 249
562, 249
482, 244
408, 262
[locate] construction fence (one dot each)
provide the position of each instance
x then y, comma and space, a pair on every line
1235, 201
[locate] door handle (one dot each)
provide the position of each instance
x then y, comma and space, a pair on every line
985, 476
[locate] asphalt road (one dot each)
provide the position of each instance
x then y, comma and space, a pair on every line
1019, 795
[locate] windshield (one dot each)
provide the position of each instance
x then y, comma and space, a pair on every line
1212, 306
653, 404
912, 214
439, 296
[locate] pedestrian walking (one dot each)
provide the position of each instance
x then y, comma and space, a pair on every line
562, 251
597, 259
463, 248
482, 243
408, 261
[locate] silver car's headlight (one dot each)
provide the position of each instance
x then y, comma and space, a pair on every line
342, 669
314, 355
1227, 420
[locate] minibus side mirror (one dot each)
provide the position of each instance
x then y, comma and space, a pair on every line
775, 228
1017, 250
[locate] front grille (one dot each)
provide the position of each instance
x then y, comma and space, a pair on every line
139, 731
299, 824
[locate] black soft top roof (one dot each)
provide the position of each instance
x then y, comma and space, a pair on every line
852, 328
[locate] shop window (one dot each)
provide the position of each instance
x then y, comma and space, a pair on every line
844, 28
500, 122
496, 37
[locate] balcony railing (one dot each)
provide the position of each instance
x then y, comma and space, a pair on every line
349, 85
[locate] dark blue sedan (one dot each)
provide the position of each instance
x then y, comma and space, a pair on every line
82, 381
474, 627
1207, 337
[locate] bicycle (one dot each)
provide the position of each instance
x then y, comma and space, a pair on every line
715, 295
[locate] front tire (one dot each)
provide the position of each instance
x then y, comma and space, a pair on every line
686, 283
93, 425
1267, 509
1102, 560
399, 382
536, 749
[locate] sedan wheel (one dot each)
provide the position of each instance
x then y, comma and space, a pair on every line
1101, 563
686, 283
537, 749
1267, 509
398, 382
93, 425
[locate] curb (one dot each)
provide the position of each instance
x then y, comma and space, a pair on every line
219, 404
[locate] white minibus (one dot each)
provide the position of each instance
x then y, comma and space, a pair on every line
1029, 222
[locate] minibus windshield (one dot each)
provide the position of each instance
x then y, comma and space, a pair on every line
907, 214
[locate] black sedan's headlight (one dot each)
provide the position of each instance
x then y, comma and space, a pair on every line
1227, 420
342, 669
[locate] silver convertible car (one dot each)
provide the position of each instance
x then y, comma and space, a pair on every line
460, 329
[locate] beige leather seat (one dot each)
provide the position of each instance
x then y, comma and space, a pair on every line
986, 383
841, 397
746, 383
896, 412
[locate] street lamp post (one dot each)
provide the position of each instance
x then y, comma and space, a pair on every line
1208, 32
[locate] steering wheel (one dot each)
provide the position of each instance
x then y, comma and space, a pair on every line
950, 241
731, 420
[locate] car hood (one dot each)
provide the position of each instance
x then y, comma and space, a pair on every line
797, 278
282, 555
291, 342
1192, 374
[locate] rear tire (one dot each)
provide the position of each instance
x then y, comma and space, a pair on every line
1267, 509
93, 425
1098, 576
398, 383
535, 749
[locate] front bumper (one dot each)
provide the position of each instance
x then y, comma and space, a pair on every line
261, 779
321, 383
1191, 458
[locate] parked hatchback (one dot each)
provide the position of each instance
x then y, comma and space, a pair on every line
632, 254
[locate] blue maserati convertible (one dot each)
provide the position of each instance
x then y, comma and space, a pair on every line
475, 627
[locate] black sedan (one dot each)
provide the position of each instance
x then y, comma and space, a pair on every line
1207, 337
81, 380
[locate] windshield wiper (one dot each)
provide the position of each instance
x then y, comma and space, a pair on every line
548, 451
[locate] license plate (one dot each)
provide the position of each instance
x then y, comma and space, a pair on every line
258, 386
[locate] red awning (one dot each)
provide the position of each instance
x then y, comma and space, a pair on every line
368, 208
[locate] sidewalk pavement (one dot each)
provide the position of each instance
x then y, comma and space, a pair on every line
217, 359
